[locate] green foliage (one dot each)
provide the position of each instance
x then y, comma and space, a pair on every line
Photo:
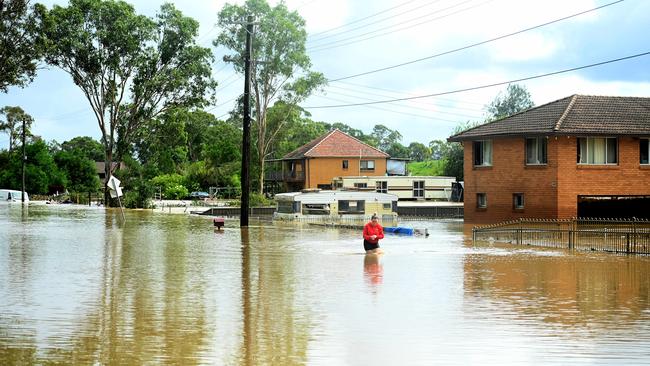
42, 176
453, 166
79, 171
383, 137
131, 68
516, 99
418, 151
13, 124
20, 46
171, 185
397, 150
137, 189
439, 149
279, 41
86, 147
426, 168
258, 200
162, 142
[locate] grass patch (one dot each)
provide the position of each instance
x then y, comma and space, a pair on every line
429, 167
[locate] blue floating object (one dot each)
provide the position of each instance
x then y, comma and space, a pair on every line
398, 230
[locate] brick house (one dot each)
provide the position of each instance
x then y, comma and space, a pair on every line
580, 156
333, 154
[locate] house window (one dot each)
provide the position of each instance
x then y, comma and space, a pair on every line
483, 153
360, 185
518, 201
346, 164
367, 165
644, 151
418, 189
597, 150
352, 207
536, 150
481, 200
382, 186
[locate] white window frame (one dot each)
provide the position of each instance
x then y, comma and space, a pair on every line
418, 192
367, 165
516, 205
485, 152
647, 151
381, 186
481, 200
539, 143
588, 144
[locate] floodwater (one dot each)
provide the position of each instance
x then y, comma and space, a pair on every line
78, 286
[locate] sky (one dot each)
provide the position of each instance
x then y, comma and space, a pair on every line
461, 44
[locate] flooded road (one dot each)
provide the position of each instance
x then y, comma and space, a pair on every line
77, 286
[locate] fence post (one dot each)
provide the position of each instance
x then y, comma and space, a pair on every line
519, 232
634, 220
571, 232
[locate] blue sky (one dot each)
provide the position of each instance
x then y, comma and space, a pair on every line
413, 29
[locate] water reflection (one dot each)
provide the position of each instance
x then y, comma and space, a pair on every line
80, 286
373, 270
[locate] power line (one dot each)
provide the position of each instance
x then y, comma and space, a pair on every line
438, 105
362, 19
474, 44
399, 92
412, 107
370, 16
487, 85
334, 43
394, 111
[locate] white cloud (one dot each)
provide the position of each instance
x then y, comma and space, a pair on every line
524, 47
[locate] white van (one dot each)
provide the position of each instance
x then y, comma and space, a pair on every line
9, 195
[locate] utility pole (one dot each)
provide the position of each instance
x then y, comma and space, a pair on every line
246, 138
22, 194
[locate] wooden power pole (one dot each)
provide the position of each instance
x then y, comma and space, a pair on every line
22, 194
246, 138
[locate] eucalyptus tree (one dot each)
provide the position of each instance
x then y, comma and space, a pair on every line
515, 99
19, 43
280, 69
131, 68
12, 123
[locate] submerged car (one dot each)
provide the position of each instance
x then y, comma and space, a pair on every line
199, 195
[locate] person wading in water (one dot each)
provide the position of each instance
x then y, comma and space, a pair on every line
372, 232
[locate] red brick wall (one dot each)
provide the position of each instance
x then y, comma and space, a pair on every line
550, 191
508, 175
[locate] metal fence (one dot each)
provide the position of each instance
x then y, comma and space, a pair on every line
608, 235
455, 212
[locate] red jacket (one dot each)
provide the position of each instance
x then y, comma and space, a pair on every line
371, 229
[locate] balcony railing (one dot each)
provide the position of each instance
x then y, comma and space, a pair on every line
286, 177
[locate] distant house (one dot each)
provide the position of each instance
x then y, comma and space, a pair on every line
580, 156
100, 168
334, 154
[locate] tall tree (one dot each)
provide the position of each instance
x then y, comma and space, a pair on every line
516, 99
86, 146
131, 68
438, 149
280, 68
19, 43
13, 123
384, 137
418, 151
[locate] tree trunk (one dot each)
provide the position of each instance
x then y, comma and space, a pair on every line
107, 175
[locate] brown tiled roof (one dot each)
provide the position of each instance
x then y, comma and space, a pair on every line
335, 144
573, 115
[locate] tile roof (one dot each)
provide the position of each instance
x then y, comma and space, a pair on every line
335, 143
573, 115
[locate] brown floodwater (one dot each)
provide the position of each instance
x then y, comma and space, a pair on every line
78, 286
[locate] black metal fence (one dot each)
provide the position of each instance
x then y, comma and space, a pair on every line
608, 235
445, 212
235, 211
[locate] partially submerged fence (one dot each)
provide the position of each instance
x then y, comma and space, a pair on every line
610, 235
446, 212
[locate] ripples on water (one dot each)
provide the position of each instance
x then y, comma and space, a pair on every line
77, 286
